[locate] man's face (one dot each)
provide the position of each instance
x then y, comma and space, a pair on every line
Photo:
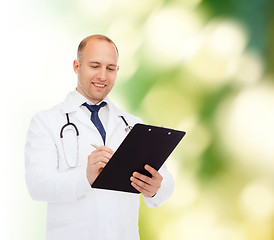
96, 69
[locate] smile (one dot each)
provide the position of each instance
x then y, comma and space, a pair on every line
99, 85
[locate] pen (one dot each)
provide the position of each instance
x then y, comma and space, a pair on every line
94, 145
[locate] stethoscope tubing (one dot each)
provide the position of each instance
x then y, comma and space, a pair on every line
68, 124
128, 128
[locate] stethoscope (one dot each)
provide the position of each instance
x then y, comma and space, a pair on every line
127, 129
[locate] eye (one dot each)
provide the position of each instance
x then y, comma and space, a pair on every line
94, 66
111, 69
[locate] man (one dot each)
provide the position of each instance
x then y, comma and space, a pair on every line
61, 169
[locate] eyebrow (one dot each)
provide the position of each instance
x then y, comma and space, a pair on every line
94, 62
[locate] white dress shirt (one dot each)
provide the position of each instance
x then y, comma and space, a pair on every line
103, 111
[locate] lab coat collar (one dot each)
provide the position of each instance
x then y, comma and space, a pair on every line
73, 102
75, 99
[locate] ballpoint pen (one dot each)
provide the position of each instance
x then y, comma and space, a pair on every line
94, 145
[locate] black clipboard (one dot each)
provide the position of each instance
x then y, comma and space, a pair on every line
145, 144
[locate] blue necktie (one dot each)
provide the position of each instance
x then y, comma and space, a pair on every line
95, 118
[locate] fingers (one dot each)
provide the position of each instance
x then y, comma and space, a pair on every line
103, 149
100, 165
153, 172
146, 185
97, 160
99, 156
142, 178
148, 190
106, 149
102, 153
145, 192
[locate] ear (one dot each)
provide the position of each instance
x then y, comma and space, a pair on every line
117, 68
76, 66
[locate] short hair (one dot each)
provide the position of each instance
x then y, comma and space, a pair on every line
84, 42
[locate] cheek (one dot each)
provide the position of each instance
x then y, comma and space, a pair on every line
85, 76
112, 80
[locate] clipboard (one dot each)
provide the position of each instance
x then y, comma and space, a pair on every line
145, 144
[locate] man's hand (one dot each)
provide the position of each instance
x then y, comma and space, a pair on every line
97, 160
146, 185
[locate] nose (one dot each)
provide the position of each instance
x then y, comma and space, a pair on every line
102, 75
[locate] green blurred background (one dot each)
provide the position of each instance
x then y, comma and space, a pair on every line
202, 66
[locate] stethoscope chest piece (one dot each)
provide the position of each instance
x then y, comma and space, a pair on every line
128, 128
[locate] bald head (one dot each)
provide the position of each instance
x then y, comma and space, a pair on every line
98, 37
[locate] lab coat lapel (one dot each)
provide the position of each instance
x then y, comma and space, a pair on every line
82, 117
113, 119
71, 106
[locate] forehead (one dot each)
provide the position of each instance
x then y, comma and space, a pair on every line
100, 51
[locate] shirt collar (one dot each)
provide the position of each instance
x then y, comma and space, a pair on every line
74, 100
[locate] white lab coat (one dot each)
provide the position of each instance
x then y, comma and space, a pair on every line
75, 210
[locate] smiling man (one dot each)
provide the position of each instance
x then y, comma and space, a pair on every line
96, 67
61, 165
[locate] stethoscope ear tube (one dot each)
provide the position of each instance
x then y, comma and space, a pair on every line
77, 135
65, 156
68, 124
